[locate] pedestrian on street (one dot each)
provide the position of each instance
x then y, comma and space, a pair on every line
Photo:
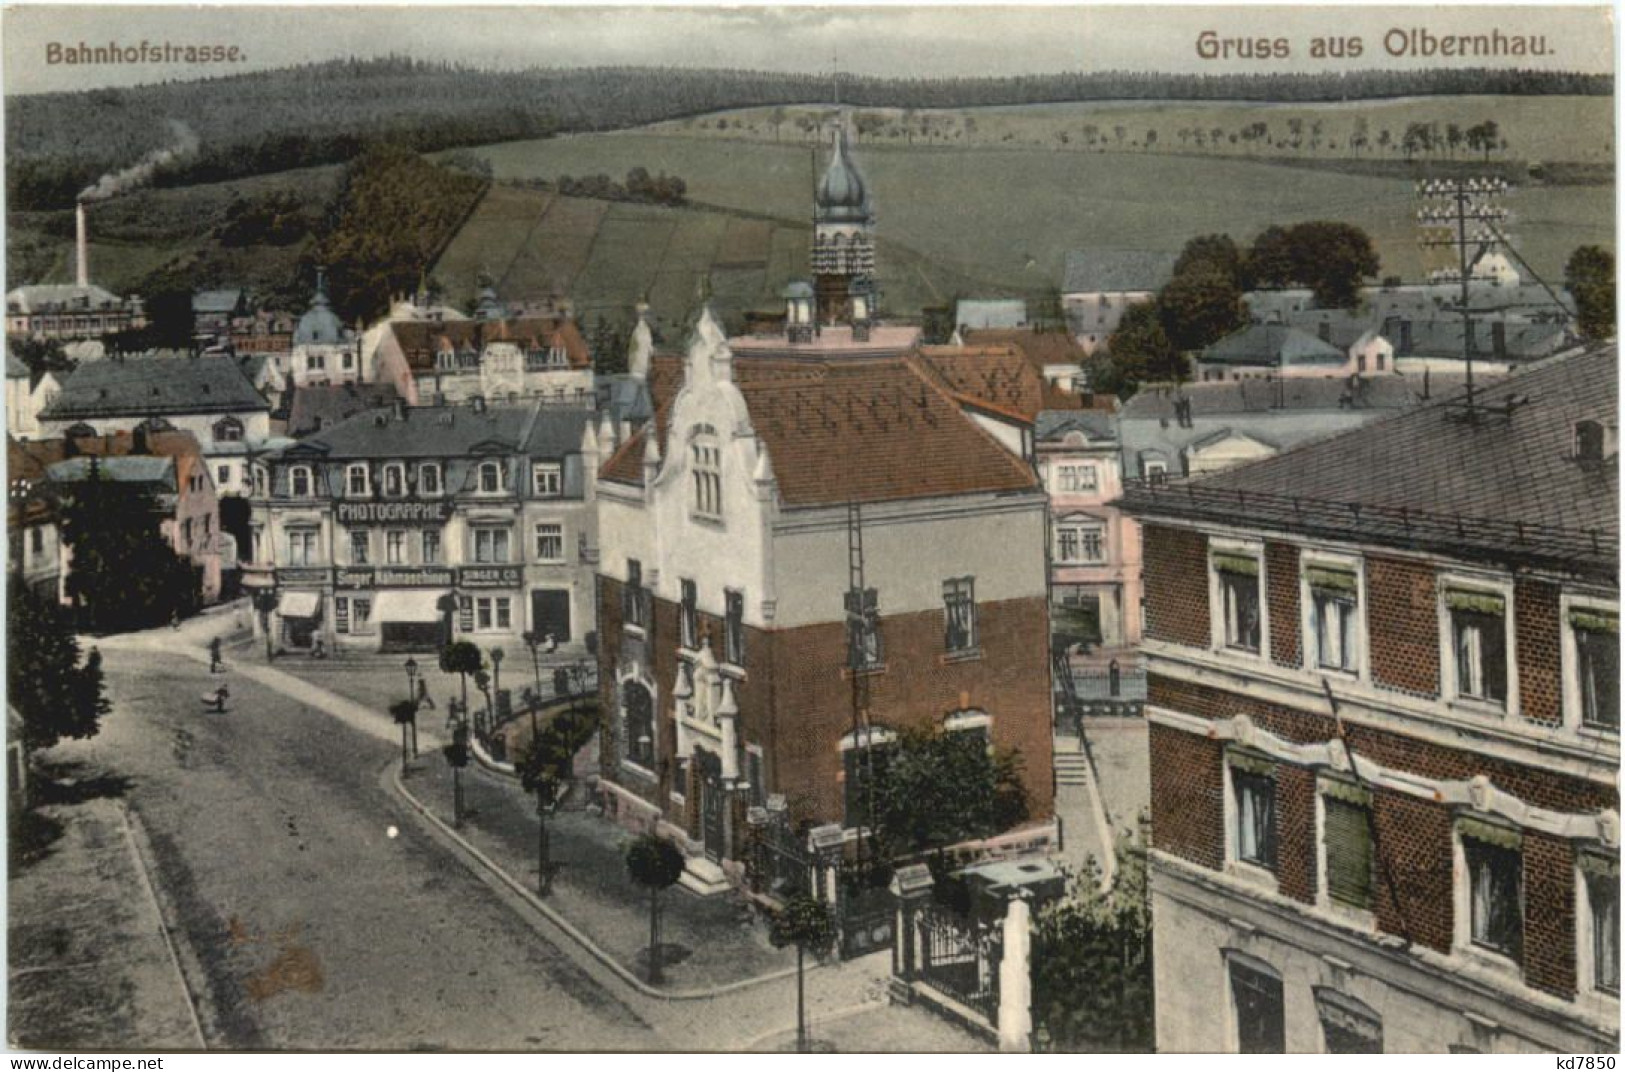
216, 665
221, 695
424, 699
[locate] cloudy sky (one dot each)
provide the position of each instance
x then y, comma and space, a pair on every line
870, 40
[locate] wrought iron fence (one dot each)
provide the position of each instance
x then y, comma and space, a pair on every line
867, 917
960, 957
780, 865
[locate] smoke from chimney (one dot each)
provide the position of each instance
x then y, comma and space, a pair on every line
81, 248
141, 173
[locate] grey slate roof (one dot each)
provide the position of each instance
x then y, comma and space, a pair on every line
1495, 473
154, 386
16, 369
1114, 271
217, 301
127, 469
1054, 423
1442, 337
46, 297
991, 313
625, 398
313, 408
451, 431
1272, 344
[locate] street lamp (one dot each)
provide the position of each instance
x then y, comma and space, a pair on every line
533, 641
496, 675
457, 756
412, 695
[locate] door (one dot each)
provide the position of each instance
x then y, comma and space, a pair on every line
712, 801
550, 613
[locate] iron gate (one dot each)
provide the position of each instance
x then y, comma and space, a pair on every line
960, 957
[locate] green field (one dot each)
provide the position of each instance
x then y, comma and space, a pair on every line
999, 220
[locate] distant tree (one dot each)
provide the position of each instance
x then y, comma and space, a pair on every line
1332, 259
1361, 136
806, 923
1200, 307
932, 789
125, 574
1215, 252
655, 864
1270, 261
1137, 352
1418, 138
40, 355
1453, 138
1484, 137
56, 695
1589, 276
776, 119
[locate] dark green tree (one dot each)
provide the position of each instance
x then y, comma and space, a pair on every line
40, 355
655, 864
804, 922
125, 574
56, 695
404, 712
461, 657
1138, 352
545, 764
1270, 261
1216, 253
1589, 277
932, 789
1200, 307
1091, 961
1332, 259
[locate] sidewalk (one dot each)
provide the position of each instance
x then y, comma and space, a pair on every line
883, 1029
707, 941
90, 963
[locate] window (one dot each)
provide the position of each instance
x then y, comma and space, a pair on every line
302, 550
1252, 785
394, 481
733, 629
1347, 843
863, 765
549, 542
355, 481
347, 360
222, 475
360, 545
1156, 472
256, 539
638, 720
1080, 543
864, 649
1599, 877
315, 362
363, 616
1478, 644
959, 609
492, 613
490, 477
341, 614
259, 482
1255, 990
1238, 600
688, 624
299, 482
1595, 634
228, 430
465, 614
429, 479
395, 547
1348, 1026
634, 600
547, 481
431, 546
1334, 617
490, 545
1076, 478
707, 472
1494, 858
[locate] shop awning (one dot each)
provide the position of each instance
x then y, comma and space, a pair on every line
300, 604
413, 605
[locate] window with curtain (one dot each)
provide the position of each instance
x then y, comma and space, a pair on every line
637, 714
1596, 653
1494, 887
1333, 610
360, 547
1478, 641
1238, 595
1253, 785
959, 612
864, 649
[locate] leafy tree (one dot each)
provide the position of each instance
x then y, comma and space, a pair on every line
1215, 252
545, 764
1138, 352
56, 696
655, 864
125, 574
461, 657
1270, 261
40, 355
1484, 137
804, 922
932, 789
1332, 259
1589, 276
1200, 307
404, 712
1091, 961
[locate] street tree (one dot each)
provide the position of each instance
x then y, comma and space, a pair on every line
932, 789
655, 864
57, 694
125, 574
405, 713
1484, 137
804, 922
461, 657
546, 766
1589, 277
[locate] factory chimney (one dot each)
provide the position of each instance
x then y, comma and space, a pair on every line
82, 248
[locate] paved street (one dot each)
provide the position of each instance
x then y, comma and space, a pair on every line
314, 909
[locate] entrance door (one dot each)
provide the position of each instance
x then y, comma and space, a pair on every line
712, 800
550, 613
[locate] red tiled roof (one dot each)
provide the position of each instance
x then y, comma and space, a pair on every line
864, 431
998, 377
420, 340
1040, 348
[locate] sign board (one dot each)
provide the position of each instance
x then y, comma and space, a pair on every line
490, 577
393, 513
393, 577
301, 576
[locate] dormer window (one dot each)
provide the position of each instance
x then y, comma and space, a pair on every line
394, 480
429, 478
490, 478
357, 484
1592, 443
547, 480
299, 482
228, 430
706, 465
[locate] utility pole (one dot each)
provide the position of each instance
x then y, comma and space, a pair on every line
1450, 205
862, 614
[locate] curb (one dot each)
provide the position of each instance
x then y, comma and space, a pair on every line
391, 777
750, 1045
131, 824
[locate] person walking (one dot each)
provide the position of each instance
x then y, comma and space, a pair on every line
216, 665
424, 699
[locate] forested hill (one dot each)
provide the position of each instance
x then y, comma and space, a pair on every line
59, 143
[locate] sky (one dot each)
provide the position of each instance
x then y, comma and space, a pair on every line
896, 40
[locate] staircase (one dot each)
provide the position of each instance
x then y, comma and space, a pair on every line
1071, 766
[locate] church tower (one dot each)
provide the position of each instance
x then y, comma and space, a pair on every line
843, 251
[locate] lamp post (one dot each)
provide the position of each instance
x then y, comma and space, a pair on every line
533, 641
457, 756
412, 694
497, 656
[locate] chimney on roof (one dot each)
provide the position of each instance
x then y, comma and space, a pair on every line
81, 247
400, 409
1498, 339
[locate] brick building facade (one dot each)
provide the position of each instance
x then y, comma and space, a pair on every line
1383, 690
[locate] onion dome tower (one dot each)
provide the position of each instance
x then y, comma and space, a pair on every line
843, 252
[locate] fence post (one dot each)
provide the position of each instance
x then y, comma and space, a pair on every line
1015, 979
911, 885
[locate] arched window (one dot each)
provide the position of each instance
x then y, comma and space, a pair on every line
299, 483
638, 721
490, 477
228, 430
706, 465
